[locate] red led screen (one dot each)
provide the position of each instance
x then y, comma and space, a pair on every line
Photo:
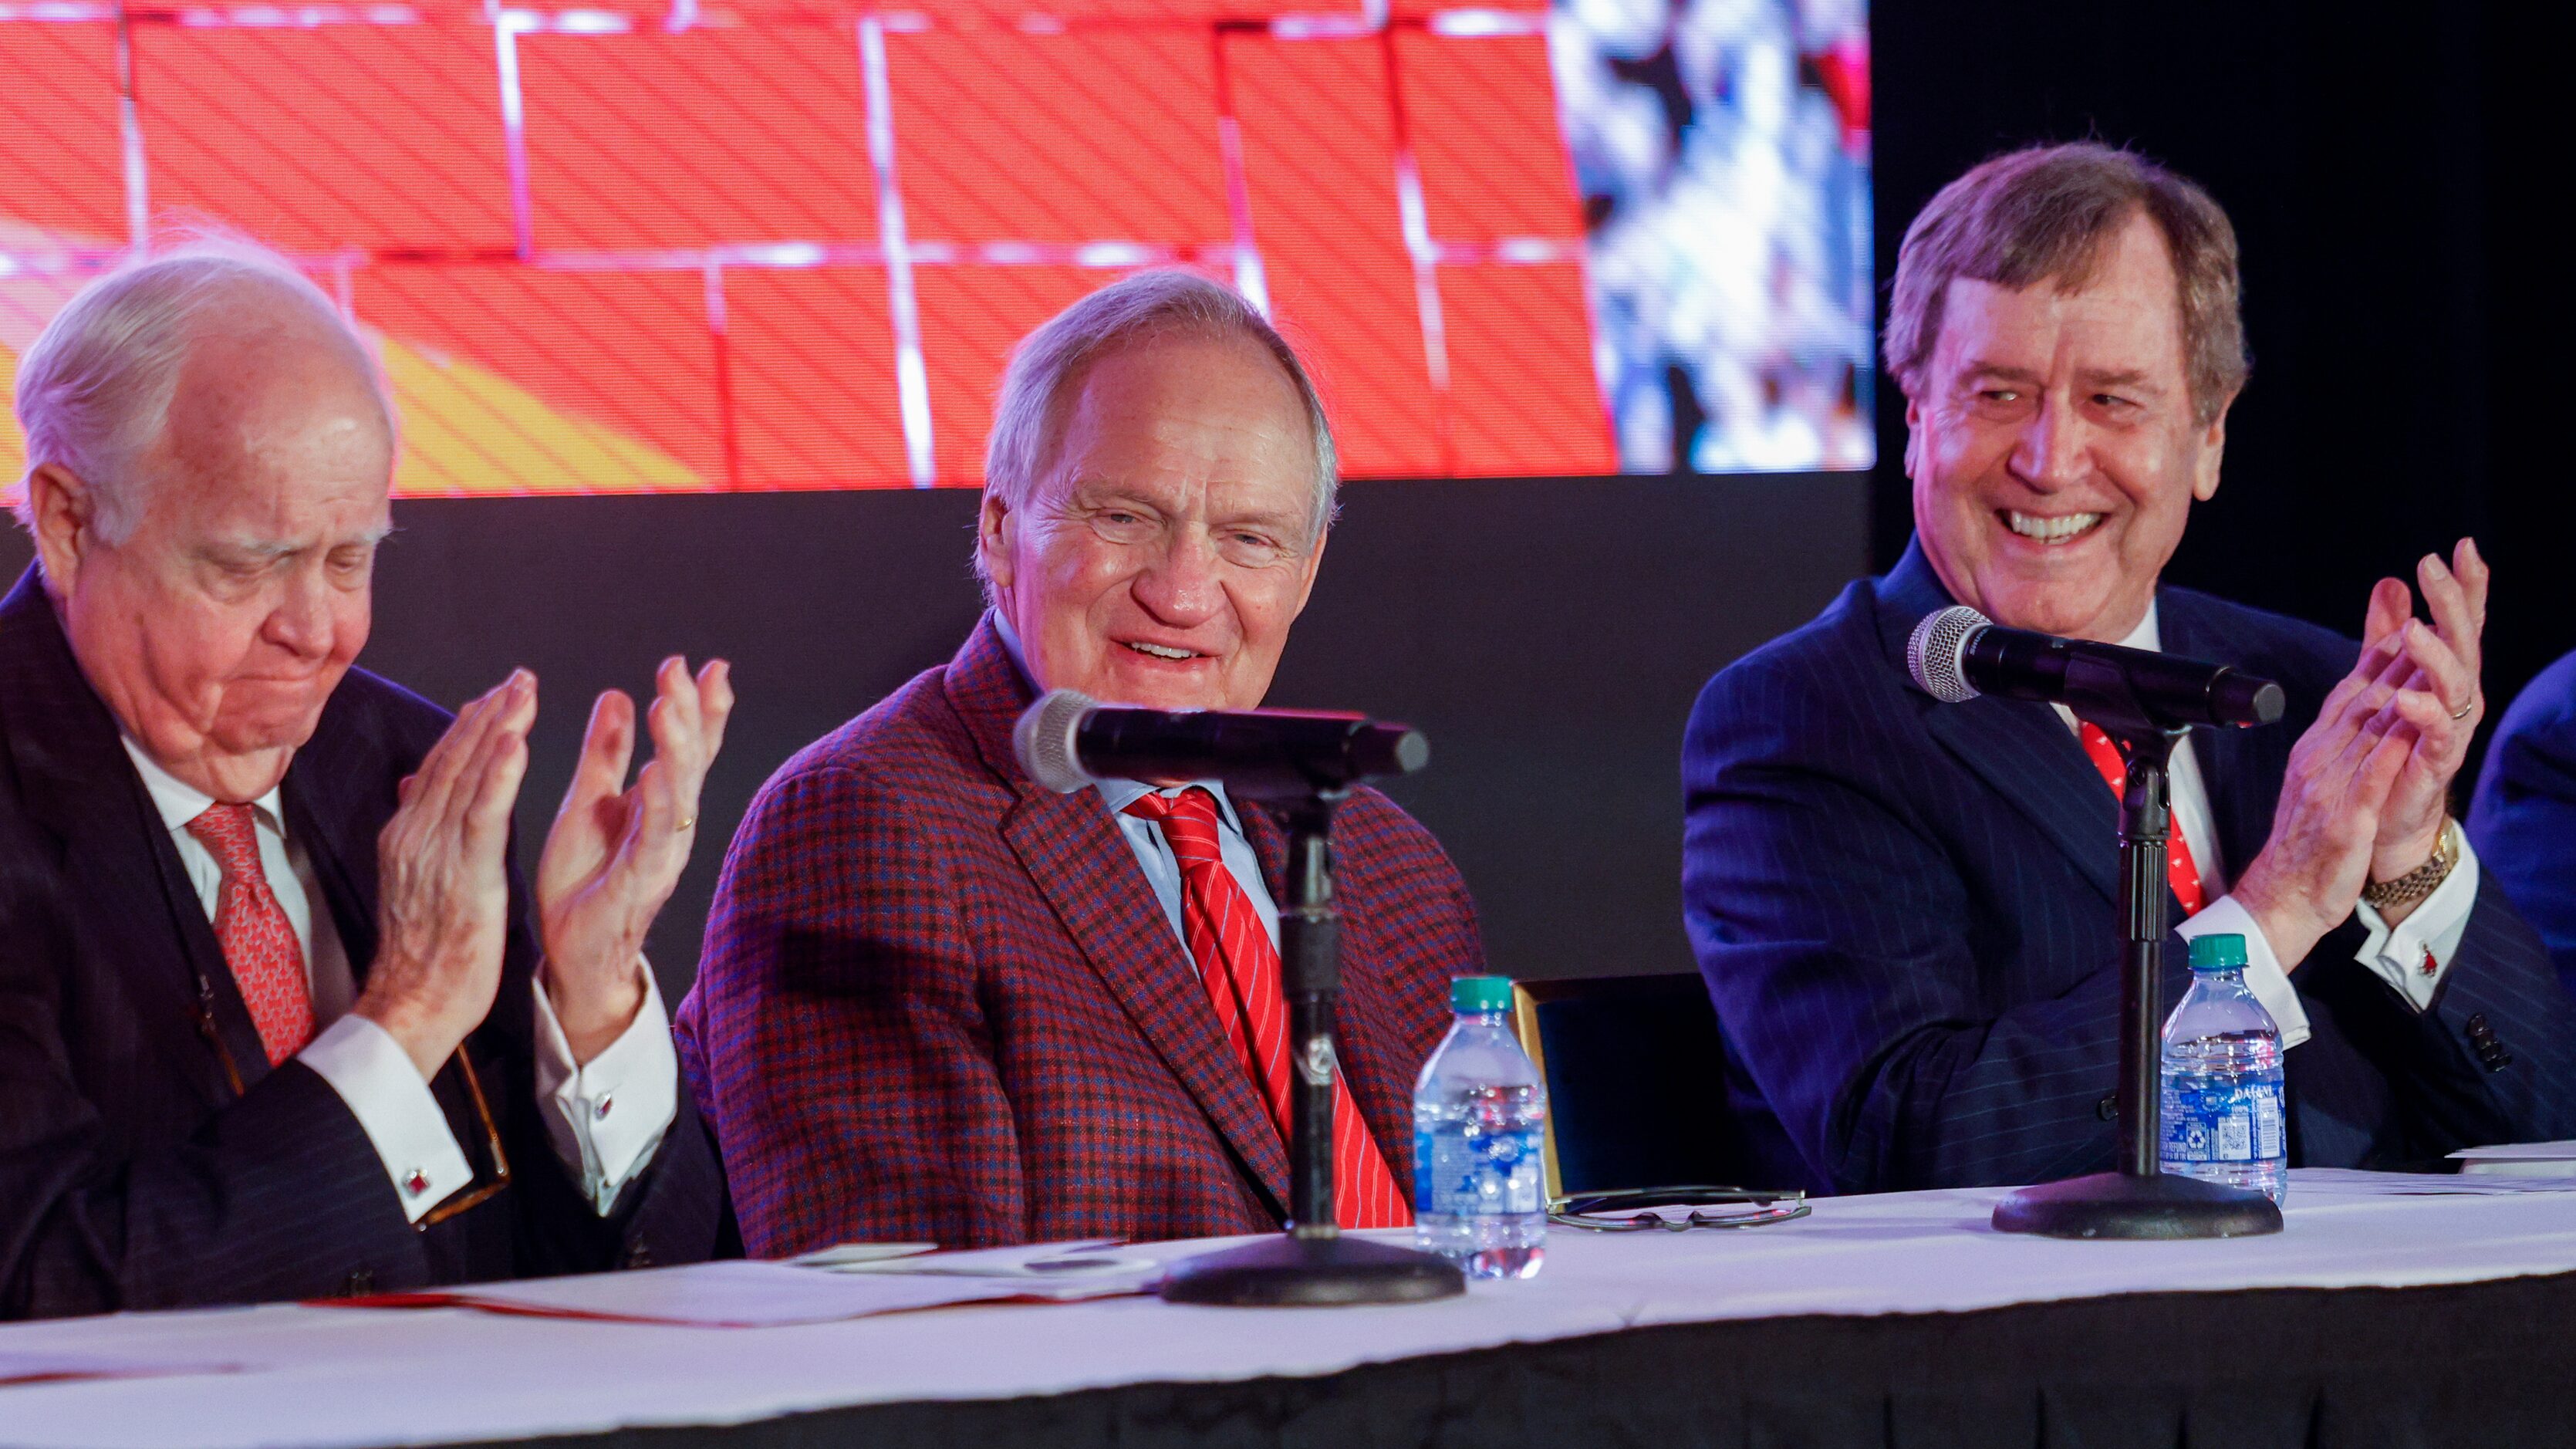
789, 243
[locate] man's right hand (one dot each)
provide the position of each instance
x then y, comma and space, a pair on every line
2312, 869
443, 911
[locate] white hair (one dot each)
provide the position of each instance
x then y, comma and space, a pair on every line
1148, 304
94, 390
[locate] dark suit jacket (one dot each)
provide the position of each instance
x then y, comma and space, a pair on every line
940, 1002
149, 1157
2524, 818
1905, 913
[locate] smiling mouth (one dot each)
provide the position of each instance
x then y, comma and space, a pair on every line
2063, 528
1171, 652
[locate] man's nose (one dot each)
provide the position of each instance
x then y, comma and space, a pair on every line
1183, 588
2050, 453
301, 620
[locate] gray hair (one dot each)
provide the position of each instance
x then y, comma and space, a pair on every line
94, 390
1046, 364
2047, 214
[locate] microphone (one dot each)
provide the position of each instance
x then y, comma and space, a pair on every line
1958, 654
1067, 740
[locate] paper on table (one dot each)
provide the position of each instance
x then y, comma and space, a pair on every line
2335, 1183
58, 1368
726, 1295
2520, 1159
1075, 1263
842, 1255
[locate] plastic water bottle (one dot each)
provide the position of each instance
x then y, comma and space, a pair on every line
1479, 1179
2222, 1078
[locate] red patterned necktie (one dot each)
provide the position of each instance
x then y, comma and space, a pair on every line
258, 940
1240, 969
2180, 869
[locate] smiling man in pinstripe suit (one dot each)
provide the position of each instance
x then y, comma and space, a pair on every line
1903, 908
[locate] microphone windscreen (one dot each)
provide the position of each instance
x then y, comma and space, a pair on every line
1044, 739
1936, 654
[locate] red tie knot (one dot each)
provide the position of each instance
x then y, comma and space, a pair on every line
231, 837
1188, 820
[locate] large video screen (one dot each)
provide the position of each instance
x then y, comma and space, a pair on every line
698, 245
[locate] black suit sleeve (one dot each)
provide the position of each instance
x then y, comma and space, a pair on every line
277, 1195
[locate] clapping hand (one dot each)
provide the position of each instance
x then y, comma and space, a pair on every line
2441, 700
2368, 787
616, 851
443, 907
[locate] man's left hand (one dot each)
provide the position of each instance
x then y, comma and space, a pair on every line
615, 853
2441, 700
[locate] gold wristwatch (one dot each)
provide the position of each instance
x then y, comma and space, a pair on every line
2424, 879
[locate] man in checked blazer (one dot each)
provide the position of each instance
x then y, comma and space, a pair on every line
940, 1002
274, 1022
1904, 909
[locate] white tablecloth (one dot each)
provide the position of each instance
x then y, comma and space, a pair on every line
336, 1376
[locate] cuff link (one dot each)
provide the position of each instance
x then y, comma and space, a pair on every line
415, 1182
599, 1109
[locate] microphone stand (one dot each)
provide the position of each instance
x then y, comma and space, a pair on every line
2139, 1200
1311, 1264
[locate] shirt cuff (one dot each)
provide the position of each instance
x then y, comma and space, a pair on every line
384, 1091
2263, 974
607, 1119
2415, 954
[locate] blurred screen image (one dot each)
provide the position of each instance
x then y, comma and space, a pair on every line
698, 246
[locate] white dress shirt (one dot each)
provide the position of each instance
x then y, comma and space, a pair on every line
605, 1119
2410, 956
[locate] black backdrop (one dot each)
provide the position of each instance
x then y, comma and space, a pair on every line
2393, 173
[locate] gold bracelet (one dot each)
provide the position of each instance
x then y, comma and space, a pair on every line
2420, 882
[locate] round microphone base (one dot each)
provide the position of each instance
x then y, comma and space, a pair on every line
1289, 1271
2119, 1205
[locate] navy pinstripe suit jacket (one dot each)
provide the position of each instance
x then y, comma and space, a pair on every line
938, 1001
149, 1157
1904, 912
2524, 818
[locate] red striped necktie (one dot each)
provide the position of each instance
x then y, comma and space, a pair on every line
258, 940
1240, 969
2180, 868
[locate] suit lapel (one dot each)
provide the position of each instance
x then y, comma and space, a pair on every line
2023, 751
323, 809
1083, 869
2243, 768
142, 911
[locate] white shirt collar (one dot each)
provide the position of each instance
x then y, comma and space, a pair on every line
180, 802
2145, 636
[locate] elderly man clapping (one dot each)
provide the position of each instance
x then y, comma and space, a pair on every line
272, 1019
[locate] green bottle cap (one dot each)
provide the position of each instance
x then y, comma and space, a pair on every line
1480, 993
2218, 951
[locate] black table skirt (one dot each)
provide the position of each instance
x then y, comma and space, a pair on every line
2477, 1364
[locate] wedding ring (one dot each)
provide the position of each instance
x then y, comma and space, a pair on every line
689, 824
2463, 711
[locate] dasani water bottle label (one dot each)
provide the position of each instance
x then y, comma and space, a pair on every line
1468, 1173
2222, 1121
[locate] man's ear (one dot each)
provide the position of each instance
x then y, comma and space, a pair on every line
2213, 447
65, 518
995, 524
1913, 436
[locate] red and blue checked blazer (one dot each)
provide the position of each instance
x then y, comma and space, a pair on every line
939, 1002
